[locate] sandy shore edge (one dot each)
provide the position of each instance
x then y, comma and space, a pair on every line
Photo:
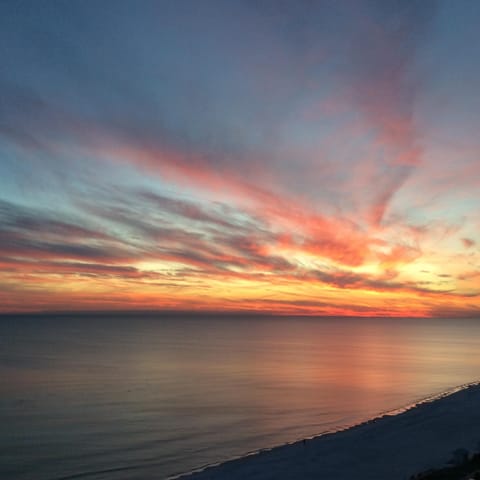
395, 444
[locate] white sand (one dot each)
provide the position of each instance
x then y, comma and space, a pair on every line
392, 447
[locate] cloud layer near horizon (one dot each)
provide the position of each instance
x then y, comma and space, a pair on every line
262, 156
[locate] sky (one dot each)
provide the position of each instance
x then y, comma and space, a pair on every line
292, 157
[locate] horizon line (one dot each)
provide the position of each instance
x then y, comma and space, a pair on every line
203, 313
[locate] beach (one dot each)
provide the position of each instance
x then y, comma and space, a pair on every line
394, 446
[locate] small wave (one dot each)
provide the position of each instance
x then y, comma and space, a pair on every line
99, 472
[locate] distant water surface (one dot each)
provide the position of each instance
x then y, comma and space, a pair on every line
144, 397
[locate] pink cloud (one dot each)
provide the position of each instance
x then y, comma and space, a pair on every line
468, 242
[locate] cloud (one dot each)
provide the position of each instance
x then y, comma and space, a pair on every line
468, 242
470, 275
32, 233
285, 158
380, 283
183, 132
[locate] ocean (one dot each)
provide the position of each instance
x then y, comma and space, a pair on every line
117, 397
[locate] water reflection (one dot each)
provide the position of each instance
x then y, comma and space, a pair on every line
165, 395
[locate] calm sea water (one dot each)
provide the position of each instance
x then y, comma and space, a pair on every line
105, 398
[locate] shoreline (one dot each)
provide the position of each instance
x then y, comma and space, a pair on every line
306, 458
